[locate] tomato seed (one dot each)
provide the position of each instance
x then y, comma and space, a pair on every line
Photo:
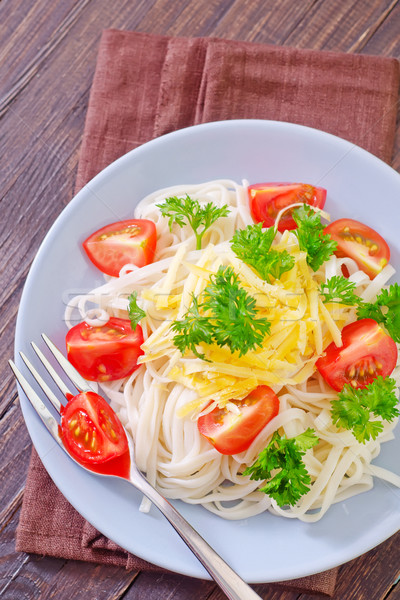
362, 370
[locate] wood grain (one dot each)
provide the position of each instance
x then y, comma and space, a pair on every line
47, 60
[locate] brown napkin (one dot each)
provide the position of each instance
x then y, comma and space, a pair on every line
147, 85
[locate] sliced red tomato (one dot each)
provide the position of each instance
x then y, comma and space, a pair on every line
367, 351
92, 432
230, 433
361, 243
268, 199
104, 353
117, 244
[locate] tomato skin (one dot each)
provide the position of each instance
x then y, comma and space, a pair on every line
267, 199
367, 351
115, 245
104, 353
231, 434
361, 243
93, 434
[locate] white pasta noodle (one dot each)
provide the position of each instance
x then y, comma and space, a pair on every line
159, 402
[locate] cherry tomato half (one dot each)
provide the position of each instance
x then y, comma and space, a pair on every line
117, 244
92, 432
367, 351
361, 243
104, 353
268, 199
230, 433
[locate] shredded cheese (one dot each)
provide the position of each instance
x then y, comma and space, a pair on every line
301, 327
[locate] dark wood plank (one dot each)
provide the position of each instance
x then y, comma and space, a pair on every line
15, 450
11, 562
263, 22
369, 577
162, 586
339, 26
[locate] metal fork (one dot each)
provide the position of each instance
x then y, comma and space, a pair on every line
228, 580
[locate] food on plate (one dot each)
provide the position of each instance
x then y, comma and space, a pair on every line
366, 352
268, 199
361, 243
104, 352
122, 243
245, 400
94, 436
231, 432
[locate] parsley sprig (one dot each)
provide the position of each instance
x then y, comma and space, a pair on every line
187, 210
253, 246
339, 289
312, 239
385, 310
136, 314
226, 316
354, 408
281, 465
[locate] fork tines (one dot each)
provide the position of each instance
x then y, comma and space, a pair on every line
78, 381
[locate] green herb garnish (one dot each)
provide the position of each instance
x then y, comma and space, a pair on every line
385, 310
354, 408
184, 211
340, 289
253, 246
312, 239
282, 466
136, 314
226, 316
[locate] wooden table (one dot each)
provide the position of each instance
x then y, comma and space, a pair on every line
47, 59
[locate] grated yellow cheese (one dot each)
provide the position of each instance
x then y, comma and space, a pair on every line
301, 327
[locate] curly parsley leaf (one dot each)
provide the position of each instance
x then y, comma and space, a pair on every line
226, 316
353, 409
136, 314
253, 246
312, 239
281, 465
184, 211
340, 289
193, 329
385, 310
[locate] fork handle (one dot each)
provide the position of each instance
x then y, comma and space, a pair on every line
228, 580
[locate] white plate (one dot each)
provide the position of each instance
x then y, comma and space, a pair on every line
264, 548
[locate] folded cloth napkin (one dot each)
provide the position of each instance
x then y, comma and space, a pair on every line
147, 85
